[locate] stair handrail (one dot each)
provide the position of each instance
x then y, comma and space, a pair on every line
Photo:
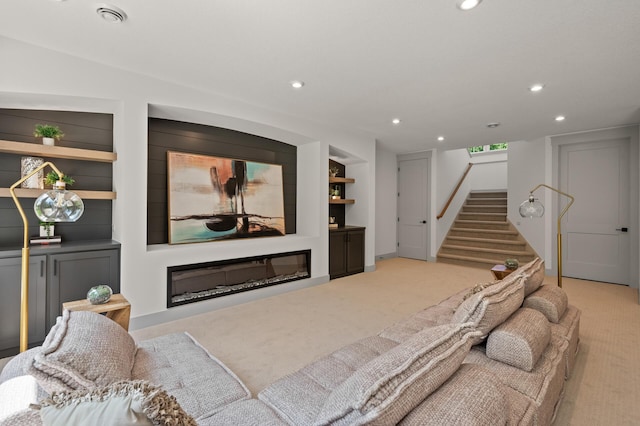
455, 191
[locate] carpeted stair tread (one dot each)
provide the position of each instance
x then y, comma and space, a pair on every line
488, 250
488, 240
471, 260
488, 231
482, 222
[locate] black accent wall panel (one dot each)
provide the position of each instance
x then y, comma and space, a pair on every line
82, 130
169, 135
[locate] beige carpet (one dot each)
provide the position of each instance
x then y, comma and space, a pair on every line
265, 339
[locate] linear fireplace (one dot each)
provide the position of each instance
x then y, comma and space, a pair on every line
201, 281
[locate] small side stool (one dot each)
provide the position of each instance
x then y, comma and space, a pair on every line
117, 308
500, 271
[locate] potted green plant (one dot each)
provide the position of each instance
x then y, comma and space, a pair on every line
333, 171
46, 229
52, 177
48, 133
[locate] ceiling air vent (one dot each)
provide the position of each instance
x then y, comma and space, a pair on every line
111, 13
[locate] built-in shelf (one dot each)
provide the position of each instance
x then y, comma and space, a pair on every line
341, 201
11, 147
35, 193
341, 180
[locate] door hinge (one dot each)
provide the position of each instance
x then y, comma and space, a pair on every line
398, 219
398, 244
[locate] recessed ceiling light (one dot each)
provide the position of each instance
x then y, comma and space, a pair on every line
440, 138
493, 125
536, 87
467, 4
396, 121
297, 84
560, 118
111, 13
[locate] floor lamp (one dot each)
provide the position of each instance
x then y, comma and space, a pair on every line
533, 208
56, 205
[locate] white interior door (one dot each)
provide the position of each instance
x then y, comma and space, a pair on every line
596, 237
413, 184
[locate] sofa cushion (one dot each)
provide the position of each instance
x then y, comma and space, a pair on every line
551, 300
543, 385
118, 404
491, 306
200, 382
388, 387
473, 396
310, 386
520, 340
248, 412
83, 350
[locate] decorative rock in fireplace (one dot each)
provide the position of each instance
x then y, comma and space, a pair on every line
201, 281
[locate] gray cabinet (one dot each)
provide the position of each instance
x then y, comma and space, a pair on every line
57, 274
71, 275
346, 251
10, 279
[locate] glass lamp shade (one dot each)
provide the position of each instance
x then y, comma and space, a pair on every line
58, 206
531, 208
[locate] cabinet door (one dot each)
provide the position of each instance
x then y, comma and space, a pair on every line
355, 251
10, 278
71, 275
337, 254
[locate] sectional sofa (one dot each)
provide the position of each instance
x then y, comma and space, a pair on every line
495, 353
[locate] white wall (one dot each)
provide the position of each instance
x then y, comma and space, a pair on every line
526, 169
76, 84
386, 203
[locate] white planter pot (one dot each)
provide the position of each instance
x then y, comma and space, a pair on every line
48, 141
43, 231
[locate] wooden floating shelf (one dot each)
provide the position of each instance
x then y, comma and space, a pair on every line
35, 193
341, 201
341, 180
33, 149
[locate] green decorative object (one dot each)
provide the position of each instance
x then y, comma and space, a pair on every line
511, 264
99, 294
47, 131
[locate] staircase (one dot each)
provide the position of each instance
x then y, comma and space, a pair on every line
481, 235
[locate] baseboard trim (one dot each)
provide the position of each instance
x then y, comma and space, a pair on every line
387, 255
184, 311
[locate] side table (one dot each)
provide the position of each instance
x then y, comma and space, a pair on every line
500, 271
117, 308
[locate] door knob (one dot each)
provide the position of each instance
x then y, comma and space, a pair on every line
424, 221
623, 229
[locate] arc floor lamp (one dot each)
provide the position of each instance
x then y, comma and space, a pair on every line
532, 207
56, 205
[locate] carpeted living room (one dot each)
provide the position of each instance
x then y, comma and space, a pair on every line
169, 253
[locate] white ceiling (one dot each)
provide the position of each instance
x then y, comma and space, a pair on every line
440, 70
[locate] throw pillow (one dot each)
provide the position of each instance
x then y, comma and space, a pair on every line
119, 404
385, 389
520, 340
550, 300
83, 350
17, 394
533, 273
491, 306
